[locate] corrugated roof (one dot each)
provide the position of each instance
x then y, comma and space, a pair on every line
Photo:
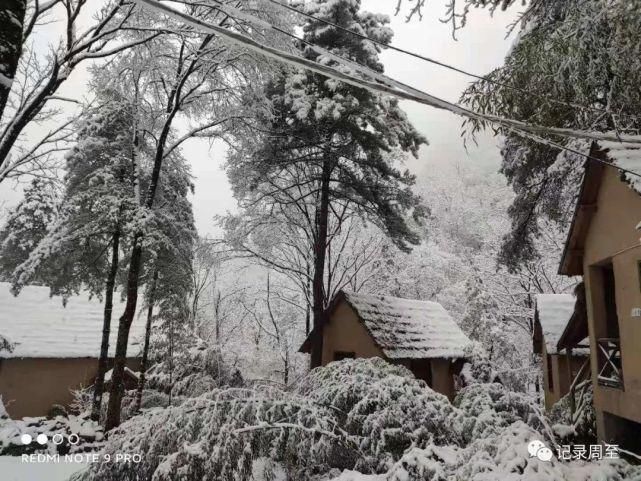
39, 326
409, 329
554, 311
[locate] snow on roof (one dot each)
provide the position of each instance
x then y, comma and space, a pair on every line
627, 156
554, 312
39, 325
409, 329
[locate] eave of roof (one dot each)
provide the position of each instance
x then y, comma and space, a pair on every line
572, 258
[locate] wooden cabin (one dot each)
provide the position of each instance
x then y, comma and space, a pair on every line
420, 335
603, 246
55, 348
553, 313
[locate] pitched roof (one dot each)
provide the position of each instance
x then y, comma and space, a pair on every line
39, 326
408, 329
553, 312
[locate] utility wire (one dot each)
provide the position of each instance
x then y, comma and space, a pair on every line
443, 64
384, 87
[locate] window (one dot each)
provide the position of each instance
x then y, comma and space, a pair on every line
340, 355
550, 373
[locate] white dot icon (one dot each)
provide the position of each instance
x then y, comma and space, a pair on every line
74, 439
544, 454
26, 439
42, 439
57, 438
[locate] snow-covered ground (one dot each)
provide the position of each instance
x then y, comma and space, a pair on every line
13, 469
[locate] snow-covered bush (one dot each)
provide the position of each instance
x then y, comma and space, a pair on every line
219, 435
485, 409
195, 369
365, 417
580, 428
499, 457
382, 405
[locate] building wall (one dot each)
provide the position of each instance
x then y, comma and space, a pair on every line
612, 236
346, 333
30, 386
561, 378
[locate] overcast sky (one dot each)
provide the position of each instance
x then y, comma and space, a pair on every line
480, 47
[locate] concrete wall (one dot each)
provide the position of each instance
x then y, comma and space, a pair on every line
30, 386
612, 237
346, 333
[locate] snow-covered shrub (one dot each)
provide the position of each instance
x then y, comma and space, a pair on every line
478, 368
82, 400
488, 408
219, 435
502, 456
582, 428
382, 405
195, 369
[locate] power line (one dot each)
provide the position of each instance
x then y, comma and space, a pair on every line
440, 63
384, 85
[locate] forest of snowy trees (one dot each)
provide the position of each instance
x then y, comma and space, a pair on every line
325, 201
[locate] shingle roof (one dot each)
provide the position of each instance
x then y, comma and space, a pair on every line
554, 311
409, 329
39, 326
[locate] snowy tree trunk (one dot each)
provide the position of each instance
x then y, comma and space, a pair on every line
320, 246
116, 392
12, 14
145, 350
124, 325
308, 314
99, 384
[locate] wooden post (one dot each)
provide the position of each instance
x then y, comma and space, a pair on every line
568, 360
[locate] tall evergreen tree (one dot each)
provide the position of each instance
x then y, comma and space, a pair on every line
331, 148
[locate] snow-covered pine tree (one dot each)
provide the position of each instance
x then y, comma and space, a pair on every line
27, 224
331, 148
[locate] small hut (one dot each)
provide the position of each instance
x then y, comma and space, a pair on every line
419, 335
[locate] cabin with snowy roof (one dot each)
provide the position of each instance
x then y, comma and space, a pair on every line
55, 348
552, 316
603, 246
420, 335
